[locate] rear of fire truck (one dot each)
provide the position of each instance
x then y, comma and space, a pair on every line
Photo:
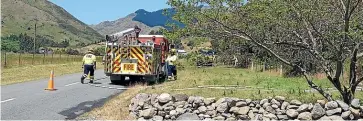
139, 57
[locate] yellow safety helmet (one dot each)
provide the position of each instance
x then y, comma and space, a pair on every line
90, 51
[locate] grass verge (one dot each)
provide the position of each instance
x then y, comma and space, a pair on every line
29, 73
114, 109
258, 85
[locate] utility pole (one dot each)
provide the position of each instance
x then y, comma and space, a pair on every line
35, 36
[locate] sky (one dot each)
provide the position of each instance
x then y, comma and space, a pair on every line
96, 11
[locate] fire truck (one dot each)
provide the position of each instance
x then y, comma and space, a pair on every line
138, 57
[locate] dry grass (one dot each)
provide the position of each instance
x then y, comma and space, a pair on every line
29, 73
116, 108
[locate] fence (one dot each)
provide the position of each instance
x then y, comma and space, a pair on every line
20, 59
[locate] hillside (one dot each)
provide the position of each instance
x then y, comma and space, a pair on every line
53, 22
147, 21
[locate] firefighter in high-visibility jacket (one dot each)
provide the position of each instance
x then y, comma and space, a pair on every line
171, 64
89, 66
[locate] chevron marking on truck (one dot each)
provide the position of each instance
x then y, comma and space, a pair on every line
136, 52
117, 61
124, 53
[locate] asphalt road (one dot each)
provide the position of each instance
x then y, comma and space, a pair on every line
29, 101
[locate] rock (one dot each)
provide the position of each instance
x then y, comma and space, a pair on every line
251, 115
270, 110
191, 99
153, 98
331, 105
219, 118
161, 113
263, 101
273, 101
242, 117
303, 108
180, 97
164, 98
141, 119
196, 111
295, 102
148, 113
270, 116
355, 103
334, 118
251, 105
333, 111
173, 113
223, 107
248, 101
343, 105
141, 97
254, 110
282, 117
261, 111
180, 110
317, 111
180, 104
274, 106
280, 112
208, 119
234, 109
198, 100
355, 112
206, 116
305, 116
227, 115
258, 117
158, 118
284, 105
321, 102
266, 105
169, 108
258, 106
209, 108
209, 101
201, 116
265, 119
241, 104
324, 118
292, 113
292, 107
168, 117
280, 98
311, 106
231, 119
202, 109
243, 110
346, 114
188, 116
211, 113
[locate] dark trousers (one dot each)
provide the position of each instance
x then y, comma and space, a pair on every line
171, 70
89, 69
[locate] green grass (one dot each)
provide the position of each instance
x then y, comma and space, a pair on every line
261, 84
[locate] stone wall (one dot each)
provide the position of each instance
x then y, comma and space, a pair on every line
182, 107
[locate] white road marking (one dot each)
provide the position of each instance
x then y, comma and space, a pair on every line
7, 100
71, 84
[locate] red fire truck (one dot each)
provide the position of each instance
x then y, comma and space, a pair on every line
139, 57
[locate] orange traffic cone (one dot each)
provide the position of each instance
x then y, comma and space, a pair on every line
51, 82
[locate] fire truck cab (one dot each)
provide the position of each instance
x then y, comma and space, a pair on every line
139, 57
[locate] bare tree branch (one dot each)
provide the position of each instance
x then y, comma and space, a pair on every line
360, 55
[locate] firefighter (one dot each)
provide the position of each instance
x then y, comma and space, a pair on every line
88, 65
171, 64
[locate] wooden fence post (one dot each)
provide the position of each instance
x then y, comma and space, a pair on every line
280, 70
43, 57
51, 61
4, 59
252, 66
19, 59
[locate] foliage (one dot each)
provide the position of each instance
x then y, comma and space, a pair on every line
323, 34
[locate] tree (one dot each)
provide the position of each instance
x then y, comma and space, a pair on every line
327, 32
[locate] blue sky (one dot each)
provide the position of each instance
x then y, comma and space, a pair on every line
96, 11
